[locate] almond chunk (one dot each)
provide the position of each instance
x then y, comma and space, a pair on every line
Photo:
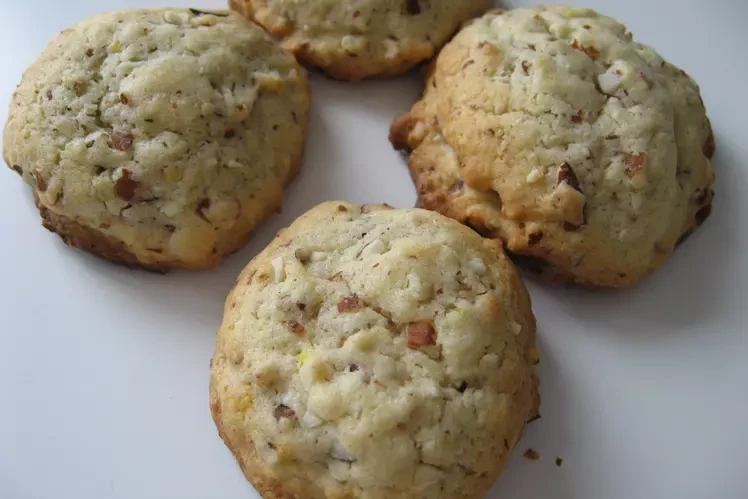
350, 304
279, 271
296, 328
635, 162
421, 334
589, 50
125, 186
283, 411
567, 175
121, 141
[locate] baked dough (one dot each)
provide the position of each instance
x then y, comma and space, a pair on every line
372, 353
159, 137
551, 129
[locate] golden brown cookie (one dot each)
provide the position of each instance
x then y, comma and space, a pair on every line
550, 129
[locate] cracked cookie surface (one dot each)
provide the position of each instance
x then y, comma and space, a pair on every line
361, 39
370, 352
551, 129
159, 137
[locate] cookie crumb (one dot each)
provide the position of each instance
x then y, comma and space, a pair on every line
531, 454
635, 162
559, 462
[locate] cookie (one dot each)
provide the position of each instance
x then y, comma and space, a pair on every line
549, 128
371, 352
159, 137
366, 38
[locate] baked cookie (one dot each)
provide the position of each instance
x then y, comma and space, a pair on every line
374, 353
549, 128
366, 38
159, 137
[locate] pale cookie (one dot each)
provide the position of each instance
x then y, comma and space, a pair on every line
375, 353
159, 137
549, 128
356, 40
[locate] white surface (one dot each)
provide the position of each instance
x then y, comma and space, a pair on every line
104, 371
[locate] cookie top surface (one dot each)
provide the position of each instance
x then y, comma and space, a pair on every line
355, 40
573, 143
371, 352
168, 129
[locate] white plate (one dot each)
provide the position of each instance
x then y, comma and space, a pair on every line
104, 370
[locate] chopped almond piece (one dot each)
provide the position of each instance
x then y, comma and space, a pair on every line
296, 328
566, 175
421, 334
125, 186
635, 162
350, 304
283, 411
121, 141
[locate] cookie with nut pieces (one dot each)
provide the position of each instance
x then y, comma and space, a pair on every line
375, 352
549, 128
159, 137
362, 39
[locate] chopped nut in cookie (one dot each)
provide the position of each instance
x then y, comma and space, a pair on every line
421, 334
350, 303
283, 411
566, 175
125, 186
635, 162
121, 141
